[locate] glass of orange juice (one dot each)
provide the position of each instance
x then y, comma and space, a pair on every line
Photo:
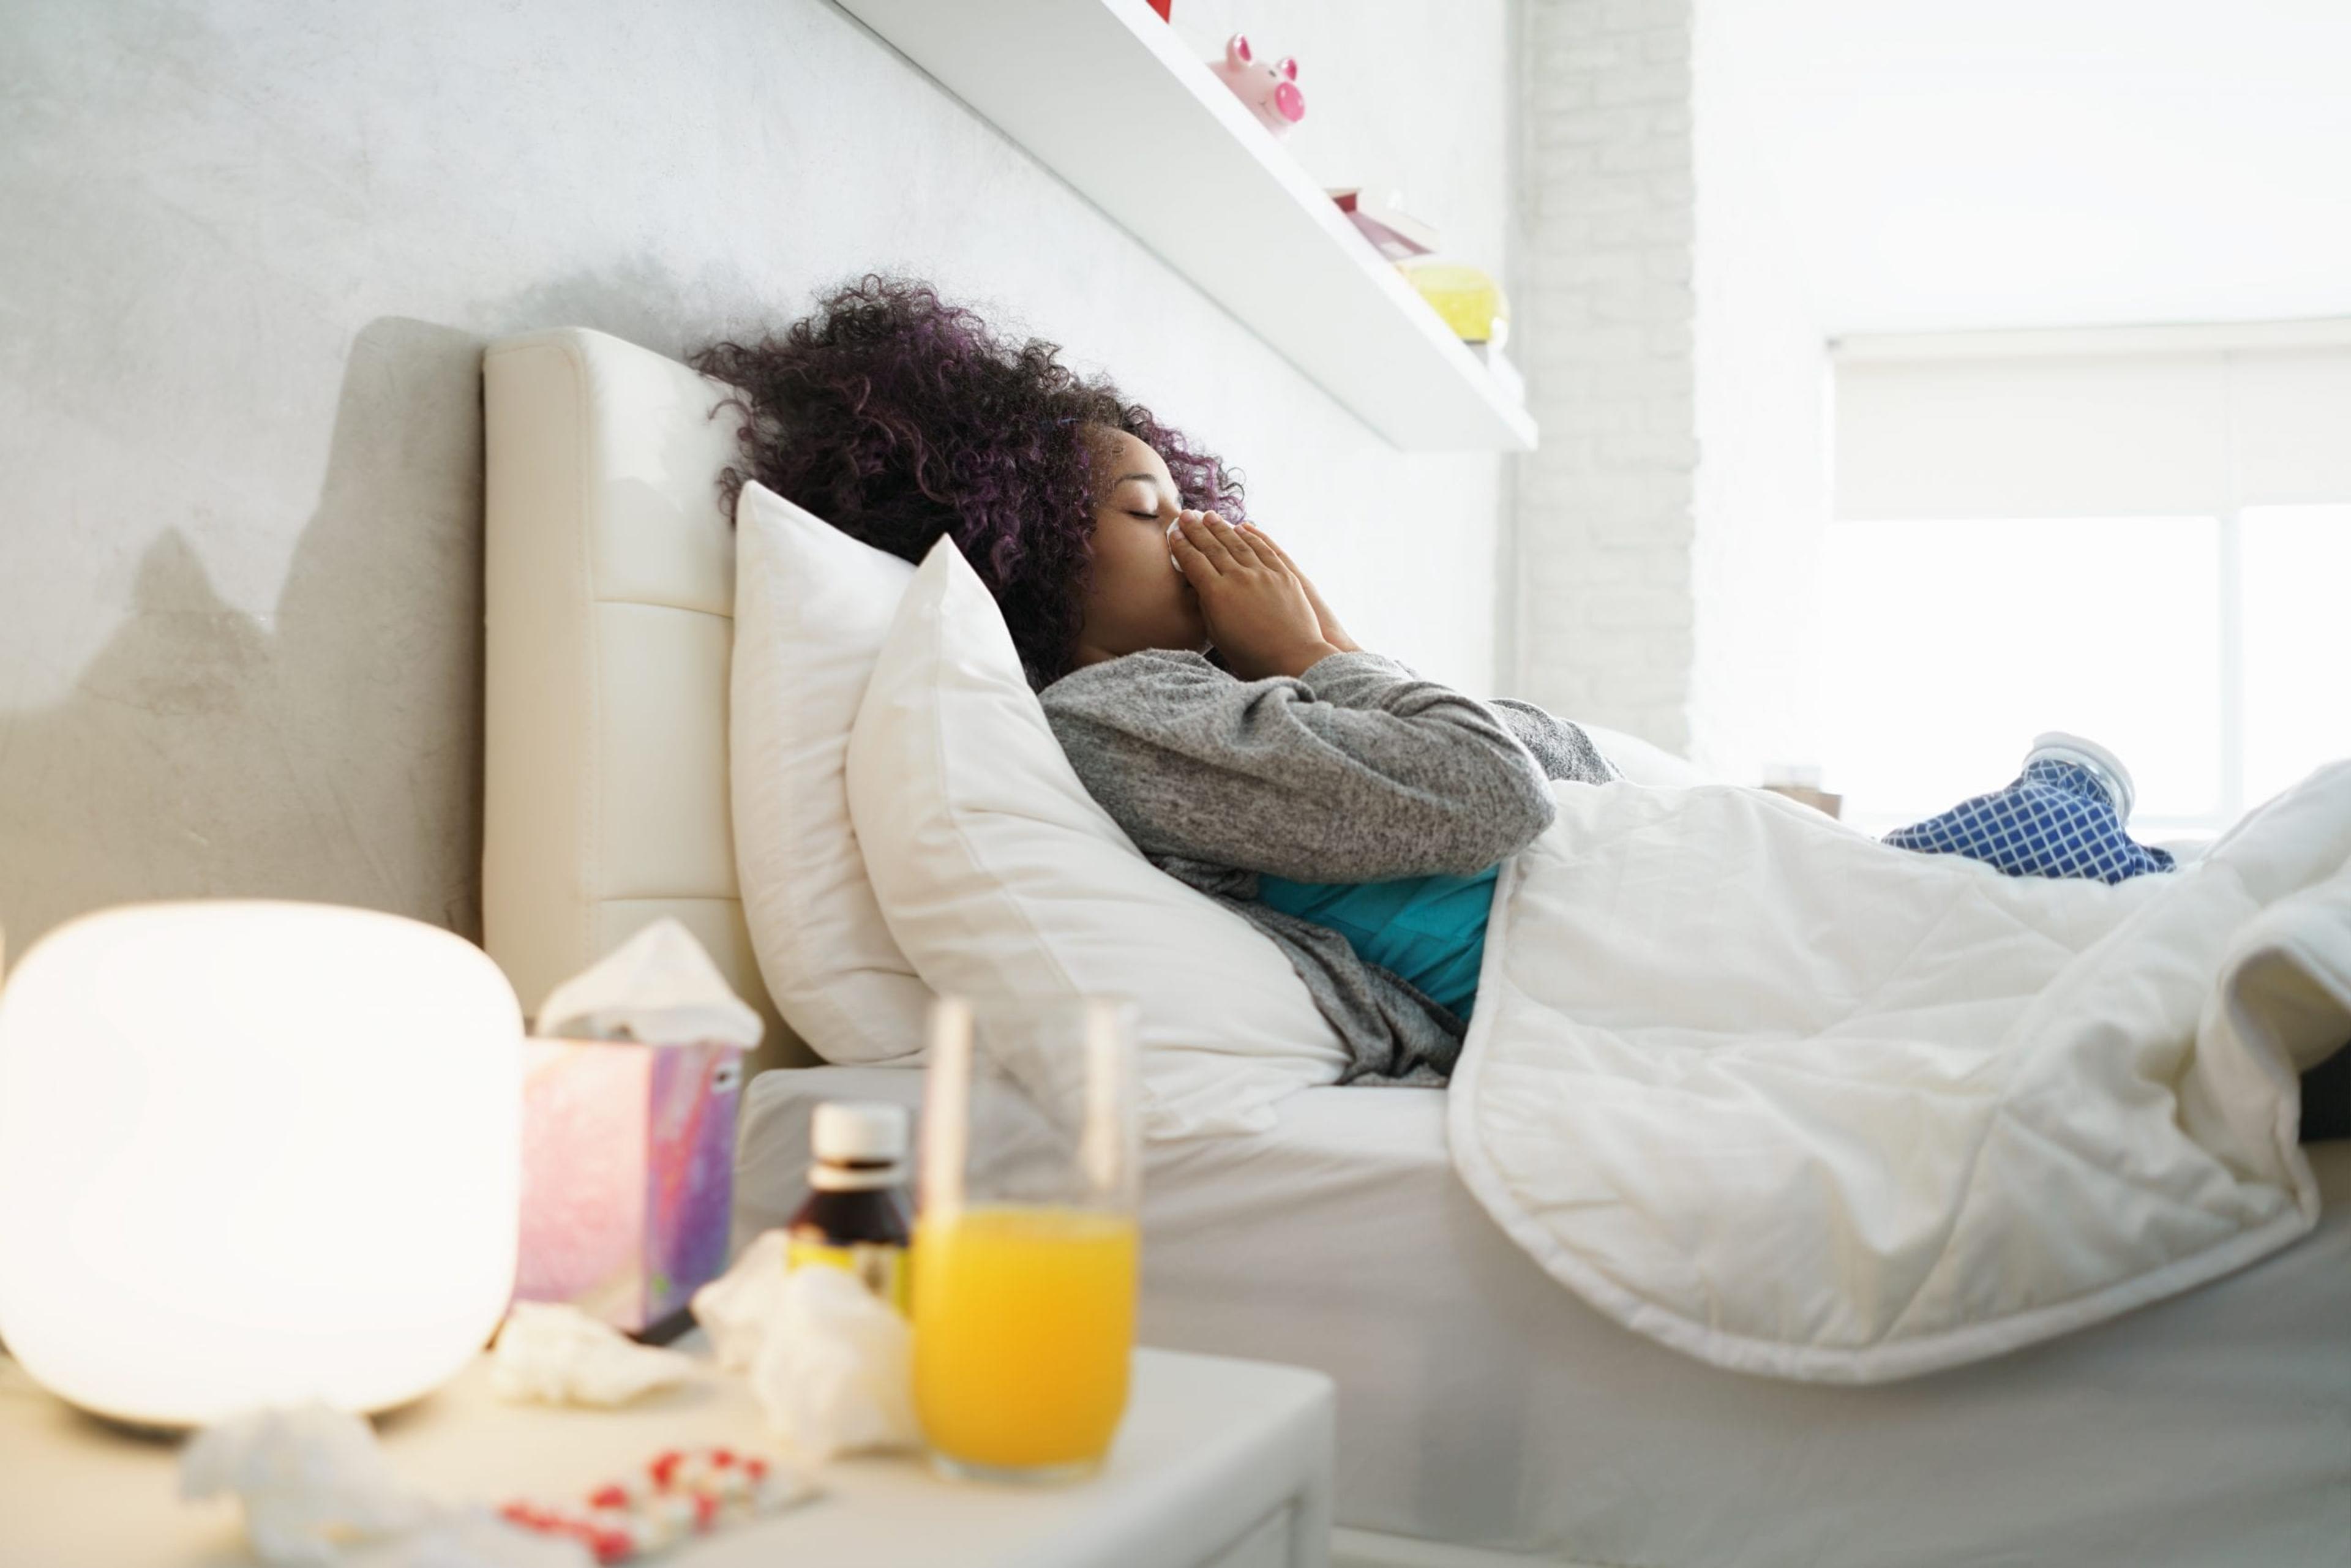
1025, 1246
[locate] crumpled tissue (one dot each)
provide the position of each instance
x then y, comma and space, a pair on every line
310, 1475
553, 1351
318, 1491
659, 988
830, 1362
735, 1310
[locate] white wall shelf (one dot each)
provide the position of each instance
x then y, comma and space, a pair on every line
1105, 94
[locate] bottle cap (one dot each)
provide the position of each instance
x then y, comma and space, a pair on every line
2096, 760
860, 1130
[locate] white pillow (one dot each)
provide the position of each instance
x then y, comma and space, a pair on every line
811, 606
998, 873
1643, 762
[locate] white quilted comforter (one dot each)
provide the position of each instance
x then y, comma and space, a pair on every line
1797, 1104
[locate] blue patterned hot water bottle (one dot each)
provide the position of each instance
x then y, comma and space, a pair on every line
2062, 817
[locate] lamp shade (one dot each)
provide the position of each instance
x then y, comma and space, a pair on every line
255, 1153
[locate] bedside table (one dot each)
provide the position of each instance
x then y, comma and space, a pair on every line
1218, 1464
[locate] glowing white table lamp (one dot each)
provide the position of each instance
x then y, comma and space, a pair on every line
253, 1154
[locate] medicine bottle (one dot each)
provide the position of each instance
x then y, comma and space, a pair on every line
857, 1217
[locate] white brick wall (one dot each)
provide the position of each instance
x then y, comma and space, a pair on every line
1599, 597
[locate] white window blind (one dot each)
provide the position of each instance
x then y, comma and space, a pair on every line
2142, 535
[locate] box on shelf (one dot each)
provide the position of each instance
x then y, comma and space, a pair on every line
1800, 782
628, 1174
1393, 233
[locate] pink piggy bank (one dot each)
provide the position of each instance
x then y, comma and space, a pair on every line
1271, 91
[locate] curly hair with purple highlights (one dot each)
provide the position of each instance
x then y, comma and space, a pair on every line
897, 417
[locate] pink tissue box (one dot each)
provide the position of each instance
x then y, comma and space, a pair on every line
628, 1174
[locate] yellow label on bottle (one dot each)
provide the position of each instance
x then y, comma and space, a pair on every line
881, 1267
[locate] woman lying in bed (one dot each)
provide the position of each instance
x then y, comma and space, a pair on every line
1353, 812
1204, 692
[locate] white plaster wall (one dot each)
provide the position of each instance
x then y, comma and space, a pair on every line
254, 251
1763, 379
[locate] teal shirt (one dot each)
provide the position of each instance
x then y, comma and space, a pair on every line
1429, 930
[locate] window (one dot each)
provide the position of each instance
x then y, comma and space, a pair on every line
2296, 642
1948, 645
2150, 548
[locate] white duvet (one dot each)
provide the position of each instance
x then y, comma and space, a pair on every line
1798, 1104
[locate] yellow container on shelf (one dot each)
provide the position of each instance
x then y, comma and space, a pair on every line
1469, 300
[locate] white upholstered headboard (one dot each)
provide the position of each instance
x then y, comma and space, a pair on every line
610, 604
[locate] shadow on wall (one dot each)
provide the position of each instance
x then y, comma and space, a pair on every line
330, 751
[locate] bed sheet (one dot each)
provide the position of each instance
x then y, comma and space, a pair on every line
1480, 1403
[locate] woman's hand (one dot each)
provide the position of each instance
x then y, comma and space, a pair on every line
1260, 614
1332, 632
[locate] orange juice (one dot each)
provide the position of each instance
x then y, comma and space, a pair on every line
1024, 1318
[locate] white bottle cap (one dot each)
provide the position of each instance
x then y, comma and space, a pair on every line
860, 1130
2096, 760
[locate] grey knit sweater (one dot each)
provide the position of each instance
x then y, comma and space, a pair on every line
1357, 771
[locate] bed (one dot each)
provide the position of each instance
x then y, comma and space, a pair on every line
1487, 1415
1481, 1404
